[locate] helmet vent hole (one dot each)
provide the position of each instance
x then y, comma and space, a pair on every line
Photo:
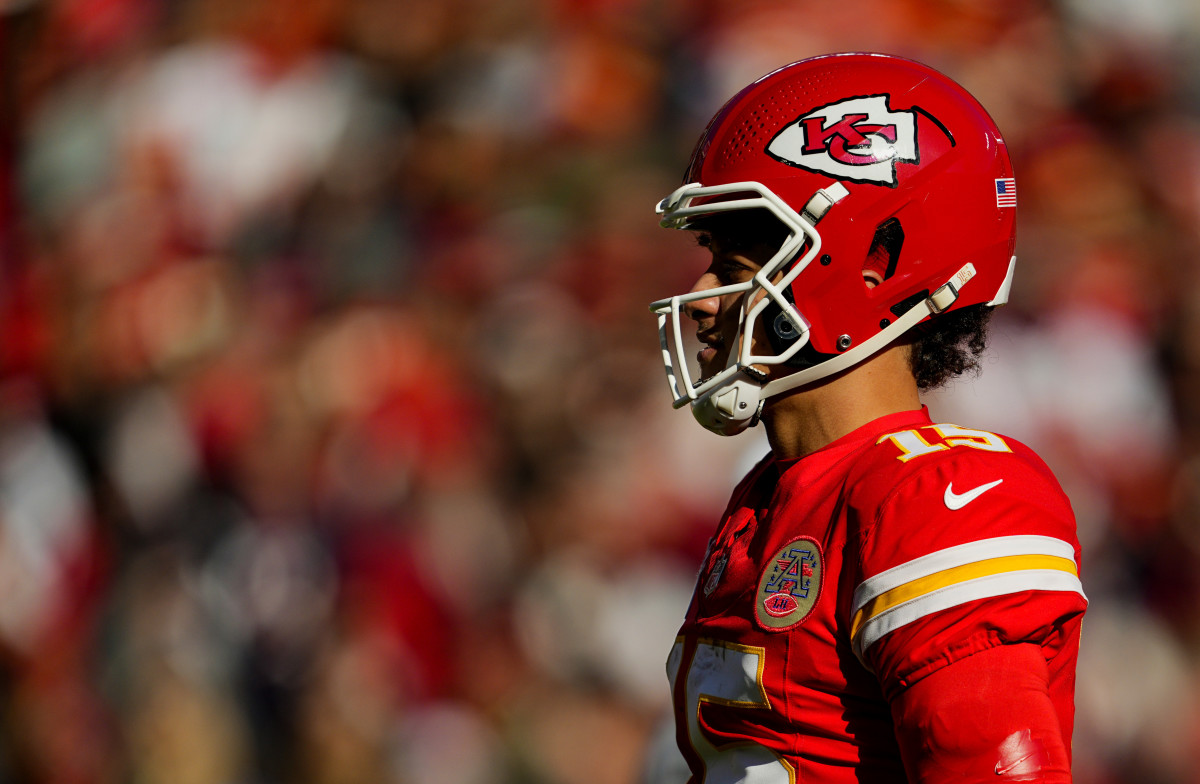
884, 254
768, 117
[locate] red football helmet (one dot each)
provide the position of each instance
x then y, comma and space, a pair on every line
865, 145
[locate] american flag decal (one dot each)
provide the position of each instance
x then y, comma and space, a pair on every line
1006, 192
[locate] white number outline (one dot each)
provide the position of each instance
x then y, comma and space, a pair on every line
965, 436
728, 683
912, 444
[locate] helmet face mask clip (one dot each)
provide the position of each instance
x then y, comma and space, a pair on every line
854, 143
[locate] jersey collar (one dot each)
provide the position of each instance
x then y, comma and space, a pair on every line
820, 461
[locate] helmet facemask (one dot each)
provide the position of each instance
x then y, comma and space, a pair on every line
730, 400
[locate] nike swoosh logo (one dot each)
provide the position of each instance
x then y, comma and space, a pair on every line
955, 501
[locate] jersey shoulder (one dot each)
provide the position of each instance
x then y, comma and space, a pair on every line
937, 470
964, 540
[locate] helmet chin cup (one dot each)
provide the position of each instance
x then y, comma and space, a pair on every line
730, 408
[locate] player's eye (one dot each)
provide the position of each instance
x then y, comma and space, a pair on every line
733, 271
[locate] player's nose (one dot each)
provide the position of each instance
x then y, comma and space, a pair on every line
703, 307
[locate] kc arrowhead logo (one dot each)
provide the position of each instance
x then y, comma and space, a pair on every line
858, 139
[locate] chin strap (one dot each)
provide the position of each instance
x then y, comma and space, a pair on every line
937, 302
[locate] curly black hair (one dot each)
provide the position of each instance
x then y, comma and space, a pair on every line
949, 345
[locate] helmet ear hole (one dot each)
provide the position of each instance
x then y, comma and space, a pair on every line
884, 253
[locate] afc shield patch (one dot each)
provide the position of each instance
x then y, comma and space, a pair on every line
790, 585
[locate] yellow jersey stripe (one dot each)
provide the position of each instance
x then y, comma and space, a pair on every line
959, 555
948, 577
886, 621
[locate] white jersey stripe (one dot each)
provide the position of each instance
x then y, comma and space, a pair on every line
959, 555
953, 595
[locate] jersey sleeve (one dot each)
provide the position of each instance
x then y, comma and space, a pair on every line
961, 551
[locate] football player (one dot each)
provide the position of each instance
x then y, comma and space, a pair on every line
887, 597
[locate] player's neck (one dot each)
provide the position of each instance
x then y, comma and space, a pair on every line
813, 417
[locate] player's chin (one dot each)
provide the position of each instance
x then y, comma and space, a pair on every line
711, 361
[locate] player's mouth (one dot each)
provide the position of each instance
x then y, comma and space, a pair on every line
713, 343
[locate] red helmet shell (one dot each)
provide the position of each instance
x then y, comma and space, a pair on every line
908, 143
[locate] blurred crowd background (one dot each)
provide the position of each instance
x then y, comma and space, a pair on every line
334, 441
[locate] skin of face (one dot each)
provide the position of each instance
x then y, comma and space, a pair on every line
717, 317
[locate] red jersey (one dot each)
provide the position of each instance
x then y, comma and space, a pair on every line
837, 580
